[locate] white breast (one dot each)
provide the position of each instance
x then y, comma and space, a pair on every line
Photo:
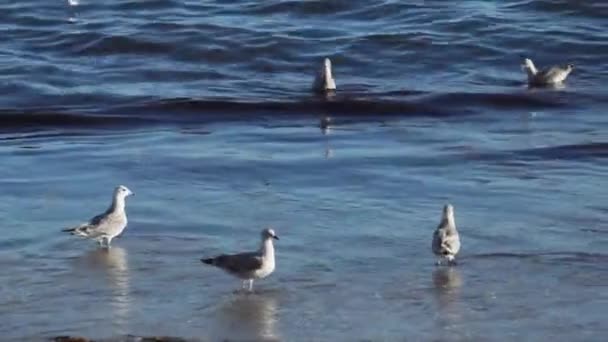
266, 269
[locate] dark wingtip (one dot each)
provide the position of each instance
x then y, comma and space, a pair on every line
208, 261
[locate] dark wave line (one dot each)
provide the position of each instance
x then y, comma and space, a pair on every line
76, 338
574, 256
11, 120
334, 107
502, 101
109, 45
404, 103
424, 104
574, 151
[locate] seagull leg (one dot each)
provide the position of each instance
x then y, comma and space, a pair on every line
451, 260
250, 285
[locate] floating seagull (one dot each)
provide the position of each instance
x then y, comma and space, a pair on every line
103, 228
250, 265
547, 77
446, 242
324, 80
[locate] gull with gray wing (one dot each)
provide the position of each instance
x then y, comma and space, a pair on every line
446, 242
104, 227
249, 265
552, 76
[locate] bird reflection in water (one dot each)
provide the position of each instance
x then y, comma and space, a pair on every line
112, 265
248, 316
325, 126
447, 283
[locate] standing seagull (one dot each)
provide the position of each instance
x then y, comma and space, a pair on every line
324, 81
446, 242
249, 265
547, 77
103, 228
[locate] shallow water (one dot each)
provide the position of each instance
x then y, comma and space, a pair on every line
203, 110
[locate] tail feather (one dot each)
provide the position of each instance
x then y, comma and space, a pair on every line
208, 261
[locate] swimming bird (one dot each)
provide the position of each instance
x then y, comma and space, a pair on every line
324, 81
546, 77
249, 265
104, 227
446, 242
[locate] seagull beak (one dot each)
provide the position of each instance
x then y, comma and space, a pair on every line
275, 237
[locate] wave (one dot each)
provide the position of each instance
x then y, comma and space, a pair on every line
573, 151
111, 45
546, 256
13, 120
394, 104
585, 151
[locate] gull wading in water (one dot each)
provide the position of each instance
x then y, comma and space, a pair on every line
103, 228
324, 81
446, 242
552, 76
249, 265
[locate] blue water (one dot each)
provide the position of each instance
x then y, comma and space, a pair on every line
204, 110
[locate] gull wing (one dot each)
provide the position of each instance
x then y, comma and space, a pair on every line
95, 227
239, 263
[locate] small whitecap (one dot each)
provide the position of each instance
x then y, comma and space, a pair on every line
73, 2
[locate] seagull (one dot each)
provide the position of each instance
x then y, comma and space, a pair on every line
324, 81
103, 228
249, 265
446, 242
547, 77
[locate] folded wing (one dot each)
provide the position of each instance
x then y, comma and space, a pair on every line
236, 263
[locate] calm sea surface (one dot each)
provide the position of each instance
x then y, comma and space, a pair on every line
203, 109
